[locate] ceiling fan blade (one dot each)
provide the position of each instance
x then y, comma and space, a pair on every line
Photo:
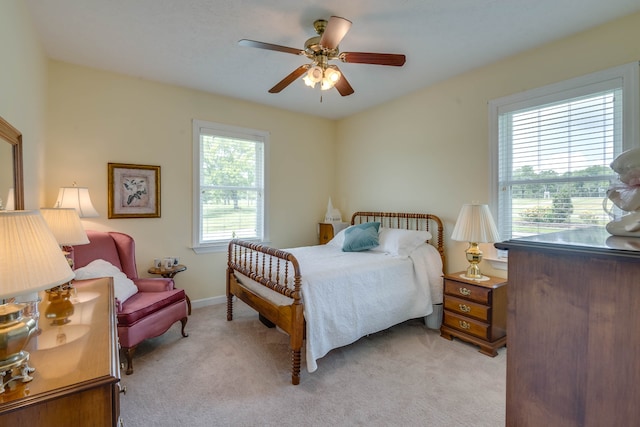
397, 60
289, 79
270, 46
335, 31
343, 85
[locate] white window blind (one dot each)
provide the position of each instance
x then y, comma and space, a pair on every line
230, 184
554, 153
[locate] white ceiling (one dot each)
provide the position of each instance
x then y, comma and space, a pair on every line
194, 43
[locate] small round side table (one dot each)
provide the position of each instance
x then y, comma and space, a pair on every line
170, 273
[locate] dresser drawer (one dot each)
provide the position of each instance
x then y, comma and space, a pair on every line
468, 291
467, 325
467, 308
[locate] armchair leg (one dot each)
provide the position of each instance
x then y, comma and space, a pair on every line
128, 353
184, 323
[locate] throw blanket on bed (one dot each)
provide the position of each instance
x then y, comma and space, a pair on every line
348, 295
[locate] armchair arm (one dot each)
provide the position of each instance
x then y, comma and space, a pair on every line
154, 284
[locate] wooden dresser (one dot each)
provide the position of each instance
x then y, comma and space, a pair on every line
475, 311
76, 382
573, 355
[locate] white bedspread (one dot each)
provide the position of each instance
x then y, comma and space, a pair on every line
348, 295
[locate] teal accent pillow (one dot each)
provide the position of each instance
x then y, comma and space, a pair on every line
361, 237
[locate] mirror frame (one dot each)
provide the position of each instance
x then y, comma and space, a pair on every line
14, 137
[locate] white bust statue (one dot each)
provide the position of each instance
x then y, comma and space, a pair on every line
625, 194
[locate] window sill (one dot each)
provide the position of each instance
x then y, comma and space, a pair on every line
498, 263
221, 247
210, 249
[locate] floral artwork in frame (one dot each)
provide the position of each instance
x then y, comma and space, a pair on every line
134, 191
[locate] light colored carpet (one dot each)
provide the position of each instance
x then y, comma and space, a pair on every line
238, 374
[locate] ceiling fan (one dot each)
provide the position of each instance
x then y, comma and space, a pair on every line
324, 48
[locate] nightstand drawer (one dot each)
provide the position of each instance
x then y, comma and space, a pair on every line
466, 325
468, 291
467, 308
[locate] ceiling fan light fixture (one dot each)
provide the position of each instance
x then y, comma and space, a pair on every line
332, 74
315, 74
331, 77
308, 81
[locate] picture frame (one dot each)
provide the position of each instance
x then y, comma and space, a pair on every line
134, 191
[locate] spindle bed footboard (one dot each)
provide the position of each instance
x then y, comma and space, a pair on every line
269, 280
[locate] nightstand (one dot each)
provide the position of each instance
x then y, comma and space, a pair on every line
475, 311
326, 230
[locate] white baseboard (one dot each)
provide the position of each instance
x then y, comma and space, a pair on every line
208, 301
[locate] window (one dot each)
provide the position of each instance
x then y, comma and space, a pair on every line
229, 185
552, 147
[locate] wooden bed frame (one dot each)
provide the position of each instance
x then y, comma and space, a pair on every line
279, 271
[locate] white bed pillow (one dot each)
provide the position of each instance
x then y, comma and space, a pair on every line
400, 242
338, 239
123, 287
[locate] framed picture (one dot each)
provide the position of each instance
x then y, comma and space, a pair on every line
134, 191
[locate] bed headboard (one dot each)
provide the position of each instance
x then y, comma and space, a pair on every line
408, 221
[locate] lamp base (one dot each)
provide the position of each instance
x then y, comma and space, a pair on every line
15, 331
474, 256
17, 361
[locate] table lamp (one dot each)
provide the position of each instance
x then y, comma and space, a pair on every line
30, 261
66, 227
77, 198
475, 225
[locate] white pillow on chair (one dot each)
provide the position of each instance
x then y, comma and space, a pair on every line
123, 287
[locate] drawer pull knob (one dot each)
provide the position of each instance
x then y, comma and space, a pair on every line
464, 291
464, 308
464, 325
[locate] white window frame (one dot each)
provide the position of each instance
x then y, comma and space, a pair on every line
211, 128
629, 75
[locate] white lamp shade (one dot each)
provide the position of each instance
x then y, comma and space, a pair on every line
77, 198
10, 203
30, 258
65, 225
475, 224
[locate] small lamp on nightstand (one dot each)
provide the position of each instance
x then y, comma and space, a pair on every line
475, 225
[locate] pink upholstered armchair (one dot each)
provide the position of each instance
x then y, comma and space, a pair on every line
153, 309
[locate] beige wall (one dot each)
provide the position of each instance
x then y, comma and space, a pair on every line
96, 117
424, 152
23, 77
430, 152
